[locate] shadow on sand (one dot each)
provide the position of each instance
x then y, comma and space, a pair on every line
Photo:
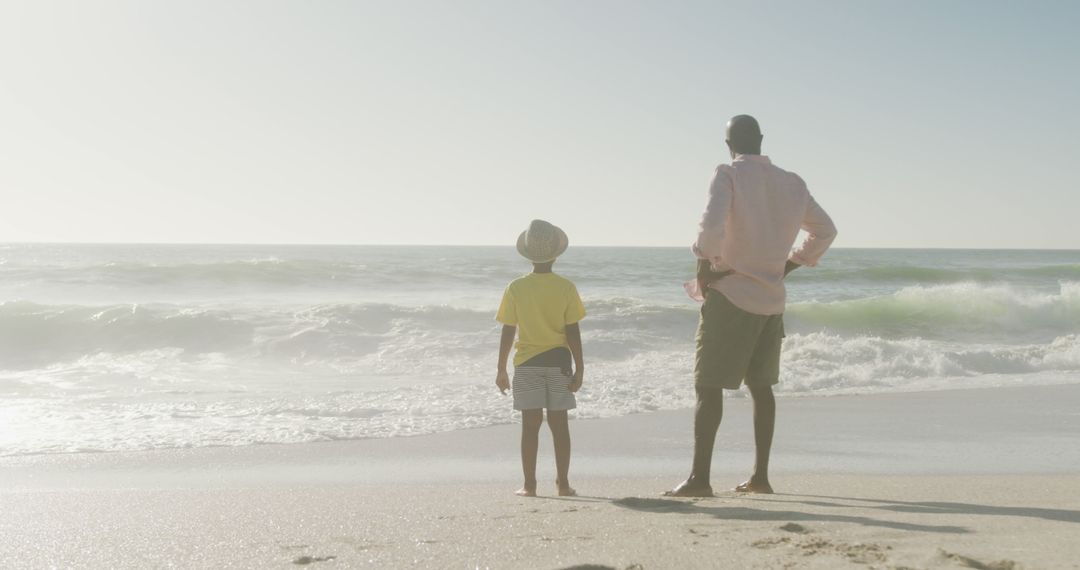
749, 514
943, 508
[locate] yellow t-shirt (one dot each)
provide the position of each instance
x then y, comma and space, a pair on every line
540, 305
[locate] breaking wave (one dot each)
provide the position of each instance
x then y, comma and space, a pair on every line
617, 328
966, 310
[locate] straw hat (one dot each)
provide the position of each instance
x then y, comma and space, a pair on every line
542, 242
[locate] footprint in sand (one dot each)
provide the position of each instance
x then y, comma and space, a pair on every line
303, 560
977, 565
795, 527
770, 542
602, 567
859, 552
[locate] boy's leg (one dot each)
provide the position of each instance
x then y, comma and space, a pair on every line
559, 423
530, 443
707, 416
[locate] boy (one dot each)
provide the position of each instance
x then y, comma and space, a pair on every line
546, 308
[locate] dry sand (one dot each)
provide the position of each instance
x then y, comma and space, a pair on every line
962, 479
821, 521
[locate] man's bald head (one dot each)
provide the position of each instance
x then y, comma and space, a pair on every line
744, 135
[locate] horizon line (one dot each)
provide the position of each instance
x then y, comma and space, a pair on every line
328, 244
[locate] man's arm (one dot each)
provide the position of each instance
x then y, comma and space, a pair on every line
706, 275
502, 379
820, 232
710, 237
573, 339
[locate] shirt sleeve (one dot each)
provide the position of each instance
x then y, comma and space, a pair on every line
710, 237
507, 310
820, 233
575, 309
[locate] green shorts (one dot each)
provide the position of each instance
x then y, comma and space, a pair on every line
734, 345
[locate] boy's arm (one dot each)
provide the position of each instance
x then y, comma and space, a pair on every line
573, 339
502, 379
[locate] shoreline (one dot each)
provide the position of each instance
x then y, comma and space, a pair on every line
963, 431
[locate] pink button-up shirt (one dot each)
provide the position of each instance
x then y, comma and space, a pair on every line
754, 214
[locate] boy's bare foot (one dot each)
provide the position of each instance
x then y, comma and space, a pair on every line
690, 488
755, 486
566, 491
525, 492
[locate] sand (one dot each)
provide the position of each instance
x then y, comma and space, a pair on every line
959, 479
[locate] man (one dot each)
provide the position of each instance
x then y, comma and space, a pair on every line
754, 214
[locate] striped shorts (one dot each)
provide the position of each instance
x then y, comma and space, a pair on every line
538, 387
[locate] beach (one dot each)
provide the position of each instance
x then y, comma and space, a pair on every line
274, 406
282, 282
981, 478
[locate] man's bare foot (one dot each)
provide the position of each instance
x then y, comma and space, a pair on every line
525, 492
690, 488
566, 491
754, 486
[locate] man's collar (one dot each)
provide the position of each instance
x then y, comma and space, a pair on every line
753, 158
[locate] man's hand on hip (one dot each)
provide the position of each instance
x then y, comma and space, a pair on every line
790, 266
706, 276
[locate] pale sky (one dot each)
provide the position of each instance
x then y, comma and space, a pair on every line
915, 123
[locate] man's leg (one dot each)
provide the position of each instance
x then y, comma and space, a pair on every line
764, 425
707, 416
530, 443
559, 423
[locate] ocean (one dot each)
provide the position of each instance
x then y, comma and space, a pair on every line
138, 347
